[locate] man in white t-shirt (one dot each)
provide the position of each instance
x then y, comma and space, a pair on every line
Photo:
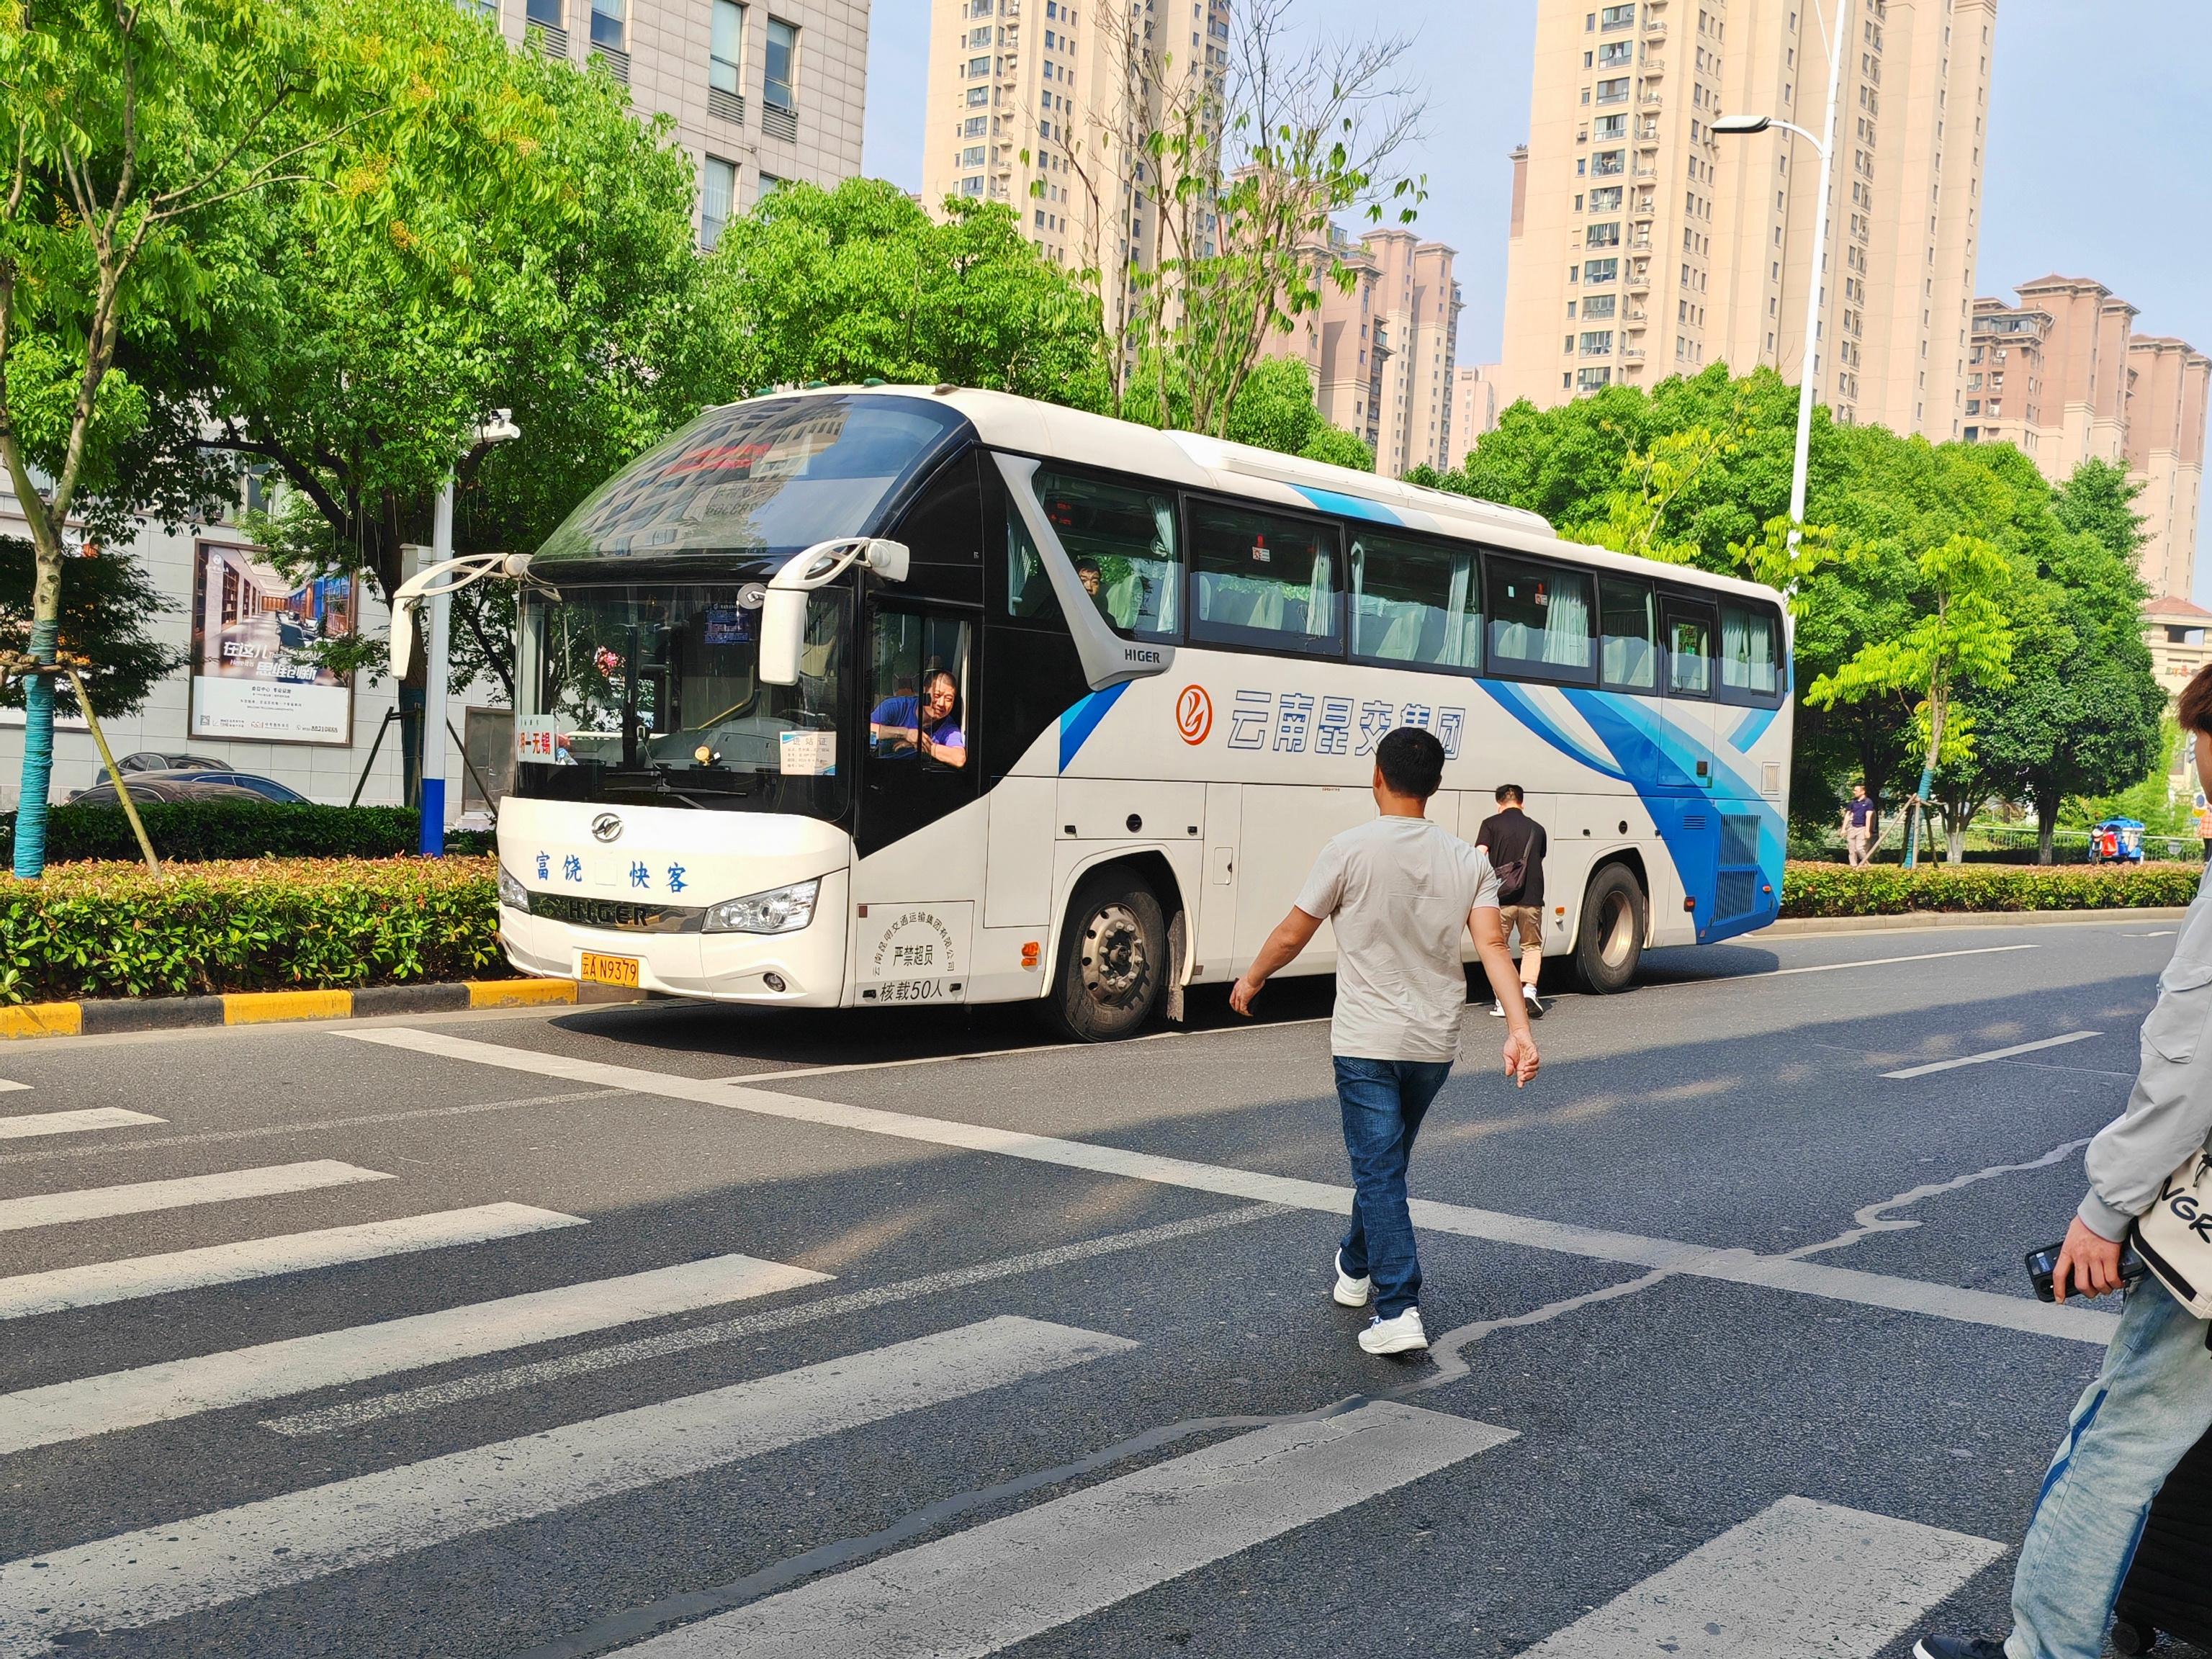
1399, 891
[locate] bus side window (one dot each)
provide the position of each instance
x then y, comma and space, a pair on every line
1414, 602
1540, 621
943, 536
1751, 653
1123, 545
1265, 581
1029, 586
1689, 652
1627, 635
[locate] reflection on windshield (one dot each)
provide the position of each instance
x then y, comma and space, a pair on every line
780, 473
656, 690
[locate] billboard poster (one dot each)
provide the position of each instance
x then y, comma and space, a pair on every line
254, 629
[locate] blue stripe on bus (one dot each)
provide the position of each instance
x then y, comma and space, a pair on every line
1751, 728
1352, 506
1077, 723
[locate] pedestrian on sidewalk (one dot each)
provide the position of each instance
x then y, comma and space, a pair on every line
1399, 891
1862, 827
2153, 1399
1516, 844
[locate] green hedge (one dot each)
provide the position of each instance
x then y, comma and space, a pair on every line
1890, 889
110, 930
194, 831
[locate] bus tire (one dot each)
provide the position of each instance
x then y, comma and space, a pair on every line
1610, 942
1113, 959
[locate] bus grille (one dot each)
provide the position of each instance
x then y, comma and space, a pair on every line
1732, 894
1739, 841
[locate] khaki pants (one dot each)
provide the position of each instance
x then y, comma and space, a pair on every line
1525, 923
1859, 847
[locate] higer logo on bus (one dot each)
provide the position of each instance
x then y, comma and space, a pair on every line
1194, 713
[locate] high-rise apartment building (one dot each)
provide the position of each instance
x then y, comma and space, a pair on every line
1476, 406
1041, 104
758, 96
1643, 245
2063, 375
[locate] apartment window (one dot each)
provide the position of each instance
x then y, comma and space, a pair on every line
1617, 17
1615, 52
725, 51
550, 18
1609, 126
1597, 343
972, 156
776, 86
978, 95
1600, 271
607, 19
1589, 380
1567, 345
1608, 161
1605, 235
1606, 200
972, 185
1973, 405
979, 69
718, 199
975, 127
1612, 92
1598, 305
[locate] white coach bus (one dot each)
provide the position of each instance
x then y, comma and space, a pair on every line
873, 695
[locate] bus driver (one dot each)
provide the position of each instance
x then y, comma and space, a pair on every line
926, 725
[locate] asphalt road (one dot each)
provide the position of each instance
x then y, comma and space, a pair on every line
925, 1335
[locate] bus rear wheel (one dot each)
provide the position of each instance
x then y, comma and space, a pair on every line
1610, 942
1112, 960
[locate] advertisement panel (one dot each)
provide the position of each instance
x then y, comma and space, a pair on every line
252, 631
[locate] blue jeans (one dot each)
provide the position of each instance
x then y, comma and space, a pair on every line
1384, 1102
2152, 1402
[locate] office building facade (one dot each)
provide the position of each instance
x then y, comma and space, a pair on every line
758, 94
1645, 244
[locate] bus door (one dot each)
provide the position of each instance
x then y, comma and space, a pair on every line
1693, 836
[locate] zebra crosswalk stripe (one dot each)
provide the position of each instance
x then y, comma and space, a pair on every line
156, 1573
97, 1203
1001, 1583
26, 1125
96, 1283
1799, 1576
183, 1387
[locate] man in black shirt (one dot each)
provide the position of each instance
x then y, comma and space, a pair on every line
1515, 843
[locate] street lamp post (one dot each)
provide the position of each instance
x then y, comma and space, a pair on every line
432, 840
1815, 286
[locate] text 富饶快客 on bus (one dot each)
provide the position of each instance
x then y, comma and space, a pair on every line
869, 697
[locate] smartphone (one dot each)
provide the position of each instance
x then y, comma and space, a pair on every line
2043, 1268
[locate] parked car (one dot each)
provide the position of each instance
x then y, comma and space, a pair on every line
147, 760
197, 784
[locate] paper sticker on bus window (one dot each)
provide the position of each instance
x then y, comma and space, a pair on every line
536, 737
728, 625
809, 754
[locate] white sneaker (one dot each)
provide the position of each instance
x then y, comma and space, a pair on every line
1498, 1010
1351, 1292
1529, 1000
1401, 1335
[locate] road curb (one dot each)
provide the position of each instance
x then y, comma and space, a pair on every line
45, 1019
1917, 918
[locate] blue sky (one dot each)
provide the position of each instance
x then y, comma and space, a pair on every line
2093, 108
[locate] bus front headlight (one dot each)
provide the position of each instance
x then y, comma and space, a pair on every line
512, 893
779, 910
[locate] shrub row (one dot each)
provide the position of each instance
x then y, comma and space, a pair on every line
194, 831
1890, 889
110, 930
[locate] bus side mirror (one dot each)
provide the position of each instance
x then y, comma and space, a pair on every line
783, 632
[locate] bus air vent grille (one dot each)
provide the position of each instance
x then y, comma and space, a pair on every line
1733, 894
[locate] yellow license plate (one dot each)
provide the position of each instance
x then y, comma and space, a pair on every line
610, 970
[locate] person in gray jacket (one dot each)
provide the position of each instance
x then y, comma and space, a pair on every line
2153, 1399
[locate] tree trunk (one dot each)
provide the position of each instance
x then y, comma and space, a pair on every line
2047, 825
38, 752
1955, 840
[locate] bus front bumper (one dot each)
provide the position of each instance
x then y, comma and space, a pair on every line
804, 968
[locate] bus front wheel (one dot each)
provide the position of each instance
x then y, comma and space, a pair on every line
1610, 942
1113, 959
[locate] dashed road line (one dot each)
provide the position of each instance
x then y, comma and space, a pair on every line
68, 1123
139, 1197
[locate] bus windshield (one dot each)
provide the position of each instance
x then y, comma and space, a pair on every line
650, 694
775, 475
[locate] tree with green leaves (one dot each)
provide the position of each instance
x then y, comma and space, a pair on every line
107, 603
1964, 640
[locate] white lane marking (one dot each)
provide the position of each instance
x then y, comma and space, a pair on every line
6, 1085
183, 1387
351, 1414
95, 1203
1738, 1266
2163, 932
143, 1578
1002, 1582
1877, 961
1797, 1578
1994, 1054
100, 1282
1006, 1054
67, 1123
